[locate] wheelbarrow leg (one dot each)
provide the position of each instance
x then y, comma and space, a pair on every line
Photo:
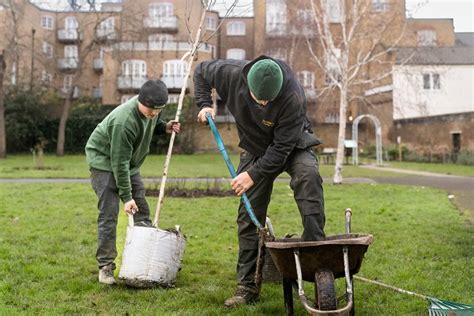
288, 295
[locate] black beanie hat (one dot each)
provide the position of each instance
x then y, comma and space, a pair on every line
153, 94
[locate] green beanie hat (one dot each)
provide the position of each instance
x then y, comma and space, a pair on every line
265, 79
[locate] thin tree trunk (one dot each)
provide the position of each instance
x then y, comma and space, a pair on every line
341, 136
3, 138
62, 123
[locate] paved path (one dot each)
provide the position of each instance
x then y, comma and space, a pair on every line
460, 188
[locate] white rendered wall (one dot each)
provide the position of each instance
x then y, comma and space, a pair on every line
411, 100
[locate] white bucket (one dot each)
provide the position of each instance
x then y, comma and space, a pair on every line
151, 256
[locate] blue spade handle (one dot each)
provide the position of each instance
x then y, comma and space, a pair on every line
230, 166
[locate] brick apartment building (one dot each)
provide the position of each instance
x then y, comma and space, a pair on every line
109, 53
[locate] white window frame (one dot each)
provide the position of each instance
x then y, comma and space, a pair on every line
278, 53
135, 68
46, 77
332, 66
48, 50
235, 28
108, 25
380, 6
426, 37
211, 23
276, 17
47, 22
333, 10
70, 51
70, 23
175, 68
125, 97
161, 9
160, 38
306, 79
235, 53
431, 81
67, 82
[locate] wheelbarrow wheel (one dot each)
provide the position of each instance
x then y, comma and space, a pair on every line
325, 290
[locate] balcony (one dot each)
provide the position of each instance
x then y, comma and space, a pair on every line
97, 93
98, 64
69, 63
69, 35
161, 23
173, 82
130, 82
106, 34
65, 91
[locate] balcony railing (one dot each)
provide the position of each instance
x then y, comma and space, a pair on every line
65, 91
169, 23
69, 35
98, 64
131, 82
173, 82
68, 63
106, 34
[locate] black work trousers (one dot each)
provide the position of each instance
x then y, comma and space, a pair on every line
105, 187
306, 183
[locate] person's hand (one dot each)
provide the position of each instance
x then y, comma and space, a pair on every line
202, 115
241, 183
173, 126
130, 207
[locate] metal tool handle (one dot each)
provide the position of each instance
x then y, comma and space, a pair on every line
230, 166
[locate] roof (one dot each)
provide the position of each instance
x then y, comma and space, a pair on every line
456, 55
465, 39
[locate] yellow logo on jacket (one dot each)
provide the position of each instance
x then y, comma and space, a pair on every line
267, 123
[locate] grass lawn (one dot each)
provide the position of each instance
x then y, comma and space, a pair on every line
48, 237
198, 165
453, 169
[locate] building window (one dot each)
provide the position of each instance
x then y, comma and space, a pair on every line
134, 68
48, 49
431, 81
160, 39
174, 68
426, 38
13, 76
333, 11
235, 53
108, 25
125, 97
333, 72
70, 23
276, 17
278, 53
70, 51
306, 79
235, 28
163, 9
211, 23
67, 82
46, 77
47, 22
380, 5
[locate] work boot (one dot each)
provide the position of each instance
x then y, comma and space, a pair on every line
106, 275
243, 295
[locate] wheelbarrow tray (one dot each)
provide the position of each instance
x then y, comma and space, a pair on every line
319, 255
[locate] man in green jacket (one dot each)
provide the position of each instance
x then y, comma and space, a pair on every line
115, 151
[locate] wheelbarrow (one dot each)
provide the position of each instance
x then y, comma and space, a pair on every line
320, 262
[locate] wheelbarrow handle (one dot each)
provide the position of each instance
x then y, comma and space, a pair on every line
230, 166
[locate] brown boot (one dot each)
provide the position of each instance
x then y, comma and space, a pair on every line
243, 295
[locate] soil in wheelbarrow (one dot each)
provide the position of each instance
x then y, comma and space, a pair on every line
192, 193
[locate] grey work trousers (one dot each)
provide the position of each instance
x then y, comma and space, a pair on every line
306, 183
105, 187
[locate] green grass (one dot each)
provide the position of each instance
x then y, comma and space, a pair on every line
48, 237
447, 168
199, 165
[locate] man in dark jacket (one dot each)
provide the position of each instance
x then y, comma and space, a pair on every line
269, 107
115, 151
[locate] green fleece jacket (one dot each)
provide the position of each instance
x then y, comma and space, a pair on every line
120, 143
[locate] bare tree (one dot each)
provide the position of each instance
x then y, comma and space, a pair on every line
356, 39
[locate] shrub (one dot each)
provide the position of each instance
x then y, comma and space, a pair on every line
465, 157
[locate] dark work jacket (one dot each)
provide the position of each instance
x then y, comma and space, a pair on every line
269, 132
